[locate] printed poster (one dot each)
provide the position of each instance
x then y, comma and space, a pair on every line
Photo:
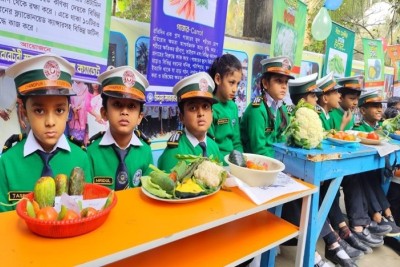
288, 28
339, 51
374, 77
393, 52
185, 37
77, 30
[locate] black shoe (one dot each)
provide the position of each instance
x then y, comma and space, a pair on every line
378, 229
353, 241
389, 220
339, 256
393, 243
353, 253
367, 238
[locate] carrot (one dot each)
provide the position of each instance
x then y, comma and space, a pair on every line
174, 2
187, 9
173, 176
182, 7
192, 11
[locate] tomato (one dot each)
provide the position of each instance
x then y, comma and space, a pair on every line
70, 215
89, 211
373, 136
47, 214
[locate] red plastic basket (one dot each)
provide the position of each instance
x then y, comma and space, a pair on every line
70, 228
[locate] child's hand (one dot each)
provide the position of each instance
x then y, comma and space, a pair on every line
346, 119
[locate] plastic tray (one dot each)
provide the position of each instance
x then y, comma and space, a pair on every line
70, 228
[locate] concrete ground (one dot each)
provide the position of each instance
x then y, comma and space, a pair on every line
381, 257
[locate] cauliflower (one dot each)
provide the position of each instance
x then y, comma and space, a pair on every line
210, 173
305, 129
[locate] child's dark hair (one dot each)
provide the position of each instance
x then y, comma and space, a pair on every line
106, 97
393, 101
296, 98
391, 112
225, 64
346, 91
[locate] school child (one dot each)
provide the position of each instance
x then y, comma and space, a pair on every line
306, 88
195, 100
265, 120
226, 72
393, 107
371, 110
393, 194
328, 99
350, 90
120, 155
44, 84
363, 194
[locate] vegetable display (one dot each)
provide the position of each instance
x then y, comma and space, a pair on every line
335, 64
192, 176
391, 125
45, 191
305, 128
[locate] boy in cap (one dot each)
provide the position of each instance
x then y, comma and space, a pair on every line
328, 99
363, 191
195, 99
350, 90
44, 84
265, 120
118, 156
304, 88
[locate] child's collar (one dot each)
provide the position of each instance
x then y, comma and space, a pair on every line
192, 139
108, 139
271, 101
31, 144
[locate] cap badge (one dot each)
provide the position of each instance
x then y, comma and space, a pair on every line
203, 85
286, 64
128, 78
51, 70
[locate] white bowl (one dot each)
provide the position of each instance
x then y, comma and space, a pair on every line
256, 177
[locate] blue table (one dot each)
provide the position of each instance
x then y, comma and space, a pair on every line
329, 163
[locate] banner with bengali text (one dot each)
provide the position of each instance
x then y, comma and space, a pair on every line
339, 51
77, 30
374, 77
288, 29
185, 38
393, 52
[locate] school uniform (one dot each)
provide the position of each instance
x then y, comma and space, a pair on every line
184, 143
191, 88
21, 166
265, 120
113, 166
104, 160
225, 127
24, 163
262, 125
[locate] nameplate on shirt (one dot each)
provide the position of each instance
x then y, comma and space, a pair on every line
268, 130
16, 195
222, 121
103, 180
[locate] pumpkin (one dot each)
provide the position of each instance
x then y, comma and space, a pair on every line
188, 189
